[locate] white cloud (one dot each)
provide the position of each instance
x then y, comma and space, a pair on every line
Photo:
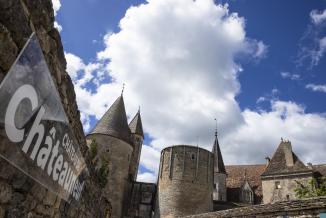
318, 17
58, 26
150, 158
316, 88
261, 133
56, 7
261, 50
177, 59
288, 75
312, 45
146, 177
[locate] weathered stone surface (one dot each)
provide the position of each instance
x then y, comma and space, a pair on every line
20, 195
5, 192
2, 212
8, 49
186, 172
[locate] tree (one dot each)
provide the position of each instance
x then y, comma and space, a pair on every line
314, 188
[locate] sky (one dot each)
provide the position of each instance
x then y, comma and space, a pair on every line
258, 67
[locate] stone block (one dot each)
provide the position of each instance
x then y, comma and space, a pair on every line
5, 192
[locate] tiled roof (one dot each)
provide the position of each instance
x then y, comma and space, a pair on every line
321, 168
297, 208
114, 122
236, 175
277, 164
136, 126
218, 159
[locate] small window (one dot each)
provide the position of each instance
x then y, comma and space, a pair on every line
107, 150
278, 185
192, 156
287, 197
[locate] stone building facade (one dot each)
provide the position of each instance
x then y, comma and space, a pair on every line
282, 175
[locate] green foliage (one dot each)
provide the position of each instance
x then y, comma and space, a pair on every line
103, 173
93, 149
314, 188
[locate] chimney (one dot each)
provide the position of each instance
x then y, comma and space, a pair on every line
267, 160
288, 153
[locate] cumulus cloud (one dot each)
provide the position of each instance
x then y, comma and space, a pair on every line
177, 59
318, 17
261, 133
316, 88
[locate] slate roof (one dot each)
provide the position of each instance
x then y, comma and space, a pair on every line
277, 164
114, 122
136, 126
218, 159
237, 174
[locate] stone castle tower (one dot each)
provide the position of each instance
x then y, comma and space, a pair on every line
219, 193
185, 181
137, 138
118, 151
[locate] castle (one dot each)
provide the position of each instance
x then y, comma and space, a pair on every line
191, 180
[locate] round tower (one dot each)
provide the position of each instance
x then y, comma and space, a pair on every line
185, 181
111, 150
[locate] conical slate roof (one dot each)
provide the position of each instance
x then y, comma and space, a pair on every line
114, 122
218, 159
136, 126
277, 165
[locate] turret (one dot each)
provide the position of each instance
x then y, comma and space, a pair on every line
219, 193
111, 140
137, 137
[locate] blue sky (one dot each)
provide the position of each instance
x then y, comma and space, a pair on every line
258, 66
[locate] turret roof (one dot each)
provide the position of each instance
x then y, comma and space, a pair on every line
218, 159
114, 122
136, 126
277, 164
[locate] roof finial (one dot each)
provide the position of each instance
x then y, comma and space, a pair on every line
245, 174
123, 88
215, 127
138, 108
282, 139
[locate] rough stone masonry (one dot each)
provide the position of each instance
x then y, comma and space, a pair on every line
21, 196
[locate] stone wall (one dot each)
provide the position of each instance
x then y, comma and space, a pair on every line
185, 183
219, 193
135, 158
21, 196
298, 208
141, 200
285, 189
117, 154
